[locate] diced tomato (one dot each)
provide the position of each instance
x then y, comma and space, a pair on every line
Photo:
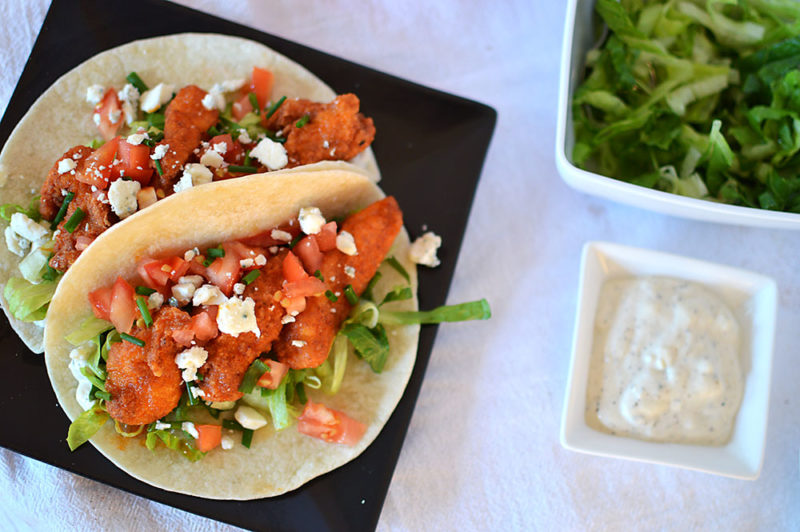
293, 268
224, 272
157, 273
308, 251
330, 425
183, 337
241, 107
123, 306
261, 84
98, 167
196, 267
135, 163
272, 378
294, 305
107, 107
265, 239
177, 267
310, 286
326, 238
243, 251
82, 242
204, 326
100, 300
209, 436
146, 197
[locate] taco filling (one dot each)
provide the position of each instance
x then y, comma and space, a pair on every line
158, 141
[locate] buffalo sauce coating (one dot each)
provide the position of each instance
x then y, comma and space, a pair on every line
306, 342
335, 131
186, 121
98, 215
228, 356
138, 396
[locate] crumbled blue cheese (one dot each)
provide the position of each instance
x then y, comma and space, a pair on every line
193, 174
220, 147
260, 260
311, 220
215, 98
247, 263
196, 392
249, 418
191, 254
226, 443
423, 250
270, 153
66, 165
238, 289
349, 271
15, 243
122, 195
195, 280
79, 357
244, 137
211, 158
298, 343
183, 292
208, 294
287, 319
236, 316
346, 243
153, 99
162, 426
154, 301
94, 94
159, 152
136, 138
28, 229
188, 426
129, 96
189, 361
283, 236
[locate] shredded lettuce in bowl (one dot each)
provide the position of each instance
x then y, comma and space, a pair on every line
698, 98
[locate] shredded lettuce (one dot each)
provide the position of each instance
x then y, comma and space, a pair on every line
28, 301
473, 310
175, 440
88, 329
86, 425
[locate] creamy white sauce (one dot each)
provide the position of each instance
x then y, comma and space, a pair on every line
665, 363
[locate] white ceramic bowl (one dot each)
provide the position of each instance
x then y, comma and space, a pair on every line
579, 37
753, 299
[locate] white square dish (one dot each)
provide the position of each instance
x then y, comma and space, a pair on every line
753, 299
579, 37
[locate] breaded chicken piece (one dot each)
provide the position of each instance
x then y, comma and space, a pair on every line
51, 195
374, 230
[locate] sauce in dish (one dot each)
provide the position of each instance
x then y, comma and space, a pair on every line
665, 362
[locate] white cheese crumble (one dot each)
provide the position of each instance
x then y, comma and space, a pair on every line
159, 152
211, 158
162, 426
183, 292
215, 98
191, 254
114, 115
15, 243
238, 289
122, 195
346, 243
277, 234
213, 101
260, 260
65, 165
154, 301
189, 361
220, 147
226, 443
287, 319
349, 271
78, 359
208, 294
129, 96
27, 228
136, 138
244, 137
96, 118
311, 220
298, 343
154, 98
247, 263
423, 250
189, 427
270, 153
94, 94
193, 174
236, 316
197, 392
250, 418
195, 280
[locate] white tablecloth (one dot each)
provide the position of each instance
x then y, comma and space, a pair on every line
482, 451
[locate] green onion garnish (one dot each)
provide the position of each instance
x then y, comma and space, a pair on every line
247, 437
330, 295
50, 273
303, 121
296, 239
156, 120
100, 394
275, 106
242, 169
199, 377
372, 282
191, 398
274, 137
318, 275
215, 252
213, 131
158, 167
247, 159
394, 263
74, 220
142, 304
251, 276
351, 296
254, 102
62, 211
134, 79
144, 291
132, 339
251, 376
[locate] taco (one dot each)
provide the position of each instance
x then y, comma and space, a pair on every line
141, 122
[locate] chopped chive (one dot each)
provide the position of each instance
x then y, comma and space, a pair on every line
330, 295
242, 169
351, 296
142, 304
100, 394
215, 252
303, 121
191, 398
199, 377
213, 131
132, 339
254, 102
144, 291
158, 167
156, 120
208, 262
74, 220
251, 276
50, 273
251, 376
247, 159
274, 137
372, 282
318, 275
134, 79
231, 424
296, 239
275, 106
301, 393
247, 437
394, 263
62, 211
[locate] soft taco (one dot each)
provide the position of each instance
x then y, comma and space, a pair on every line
141, 122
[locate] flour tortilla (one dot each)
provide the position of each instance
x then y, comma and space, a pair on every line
61, 118
276, 462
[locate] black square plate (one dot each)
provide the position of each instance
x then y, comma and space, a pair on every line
430, 147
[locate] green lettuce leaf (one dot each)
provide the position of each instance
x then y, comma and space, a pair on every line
27, 301
85, 426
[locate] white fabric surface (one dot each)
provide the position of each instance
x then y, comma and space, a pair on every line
482, 451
